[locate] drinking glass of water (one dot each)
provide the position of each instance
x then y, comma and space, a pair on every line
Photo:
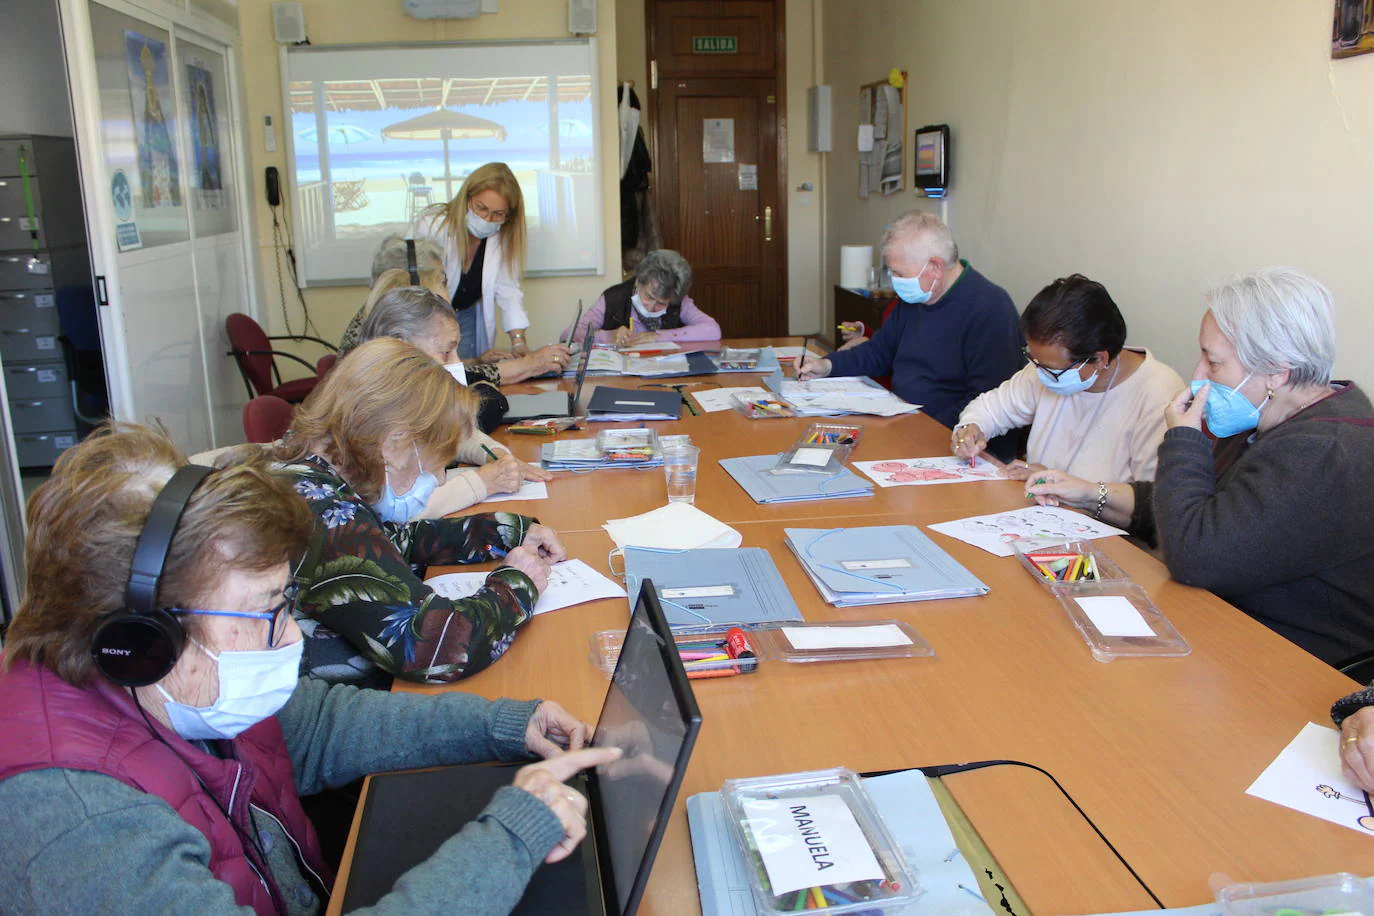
680, 471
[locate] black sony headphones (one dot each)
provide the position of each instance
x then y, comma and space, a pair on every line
138, 644
412, 264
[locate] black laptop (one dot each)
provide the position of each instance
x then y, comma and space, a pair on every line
649, 711
551, 403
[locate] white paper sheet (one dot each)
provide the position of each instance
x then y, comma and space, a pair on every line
529, 489
879, 405
781, 829
1114, 616
570, 582
842, 384
788, 352
812, 457
920, 472
711, 400
676, 526
1306, 776
1050, 524
884, 634
865, 138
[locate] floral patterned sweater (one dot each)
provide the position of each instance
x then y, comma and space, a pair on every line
366, 613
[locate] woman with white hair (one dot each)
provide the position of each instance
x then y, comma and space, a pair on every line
1275, 515
651, 305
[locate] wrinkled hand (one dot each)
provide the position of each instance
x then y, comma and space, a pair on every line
534, 472
642, 338
553, 730
851, 331
526, 559
1020, 470
495, 356
812, 367
637, 745
1186, 408
544, 541
1055, 488
551, 358
1357, 748
502, 475
967, 440
544, 780
852, 342
621, 336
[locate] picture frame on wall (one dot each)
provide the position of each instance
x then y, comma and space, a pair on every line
1352, 31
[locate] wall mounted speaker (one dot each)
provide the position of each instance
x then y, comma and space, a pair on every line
582, 17
288, 23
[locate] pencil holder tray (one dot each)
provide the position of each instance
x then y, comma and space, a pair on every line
823, 460
633, 446
832, 433
700, 652
1068, 565
761, 408
815, 843
1118, 620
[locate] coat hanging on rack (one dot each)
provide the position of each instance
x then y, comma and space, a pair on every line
638, 222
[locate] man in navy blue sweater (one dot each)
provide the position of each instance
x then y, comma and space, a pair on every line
955, 335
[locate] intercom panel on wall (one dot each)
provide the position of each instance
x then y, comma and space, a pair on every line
932, 159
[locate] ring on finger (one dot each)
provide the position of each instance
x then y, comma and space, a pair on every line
1353, 739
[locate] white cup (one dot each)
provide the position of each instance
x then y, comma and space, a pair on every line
680, 472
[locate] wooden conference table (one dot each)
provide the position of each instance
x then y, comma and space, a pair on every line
1158, 752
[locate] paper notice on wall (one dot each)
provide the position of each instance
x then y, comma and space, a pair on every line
748, 177
718, 140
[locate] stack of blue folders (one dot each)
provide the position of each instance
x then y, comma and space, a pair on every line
713, 587
751, 473
883, 564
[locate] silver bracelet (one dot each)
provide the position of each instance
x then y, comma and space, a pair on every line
1101, 500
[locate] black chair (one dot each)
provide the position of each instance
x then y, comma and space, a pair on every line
1359, 666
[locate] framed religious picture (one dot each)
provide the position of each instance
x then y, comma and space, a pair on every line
1352, 31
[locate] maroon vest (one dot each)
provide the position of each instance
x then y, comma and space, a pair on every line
49, 724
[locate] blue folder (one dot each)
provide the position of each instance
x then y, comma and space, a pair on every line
751, 474
882, 564
713, 587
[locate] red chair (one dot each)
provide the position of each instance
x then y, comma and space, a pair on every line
252, 350
266, 418
325, 363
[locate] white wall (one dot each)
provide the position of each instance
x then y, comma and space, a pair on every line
1156, 147
33, 81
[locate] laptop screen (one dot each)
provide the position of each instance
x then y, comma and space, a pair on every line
651, 714
587, 343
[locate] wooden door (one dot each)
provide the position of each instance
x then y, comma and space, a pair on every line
720, 168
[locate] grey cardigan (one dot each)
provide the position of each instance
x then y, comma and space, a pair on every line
73, 841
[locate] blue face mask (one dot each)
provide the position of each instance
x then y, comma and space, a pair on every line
1067, 384
908, 289
480, 228
401, 509
1227, 411
252, 687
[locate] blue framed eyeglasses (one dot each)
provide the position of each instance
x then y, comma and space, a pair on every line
276, 615
1055, 374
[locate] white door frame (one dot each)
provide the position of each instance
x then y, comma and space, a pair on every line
79, 49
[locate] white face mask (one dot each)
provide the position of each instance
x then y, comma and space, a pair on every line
458, 371
639, 307
253, 685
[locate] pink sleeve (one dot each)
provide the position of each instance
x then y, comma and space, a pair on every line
696, 324
594, 317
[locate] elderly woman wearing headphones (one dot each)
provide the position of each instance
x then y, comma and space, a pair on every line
482, 234
158, 741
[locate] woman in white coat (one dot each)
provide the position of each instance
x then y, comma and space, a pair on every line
482, 234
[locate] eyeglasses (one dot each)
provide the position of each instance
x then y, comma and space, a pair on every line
277, 614
652, 302
491, 216
1055, 374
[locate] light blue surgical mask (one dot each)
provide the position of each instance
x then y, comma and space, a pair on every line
252, 687
909, 290
1068, 384
1227, 411
400, 509
480, 228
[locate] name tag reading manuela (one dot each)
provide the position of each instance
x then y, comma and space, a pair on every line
810, 842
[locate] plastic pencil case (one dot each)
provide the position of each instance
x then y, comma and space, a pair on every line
628, 445
789, 817
1342, 893
1052, 564
737, 358
824, 460
840, 641
833, 433
701, 648
1112, 630
761, 408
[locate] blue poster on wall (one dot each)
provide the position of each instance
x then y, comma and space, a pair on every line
204, 129
158, 173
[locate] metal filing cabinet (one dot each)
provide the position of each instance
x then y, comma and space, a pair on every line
47, 305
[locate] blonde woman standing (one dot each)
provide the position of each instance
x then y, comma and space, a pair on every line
482, 234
